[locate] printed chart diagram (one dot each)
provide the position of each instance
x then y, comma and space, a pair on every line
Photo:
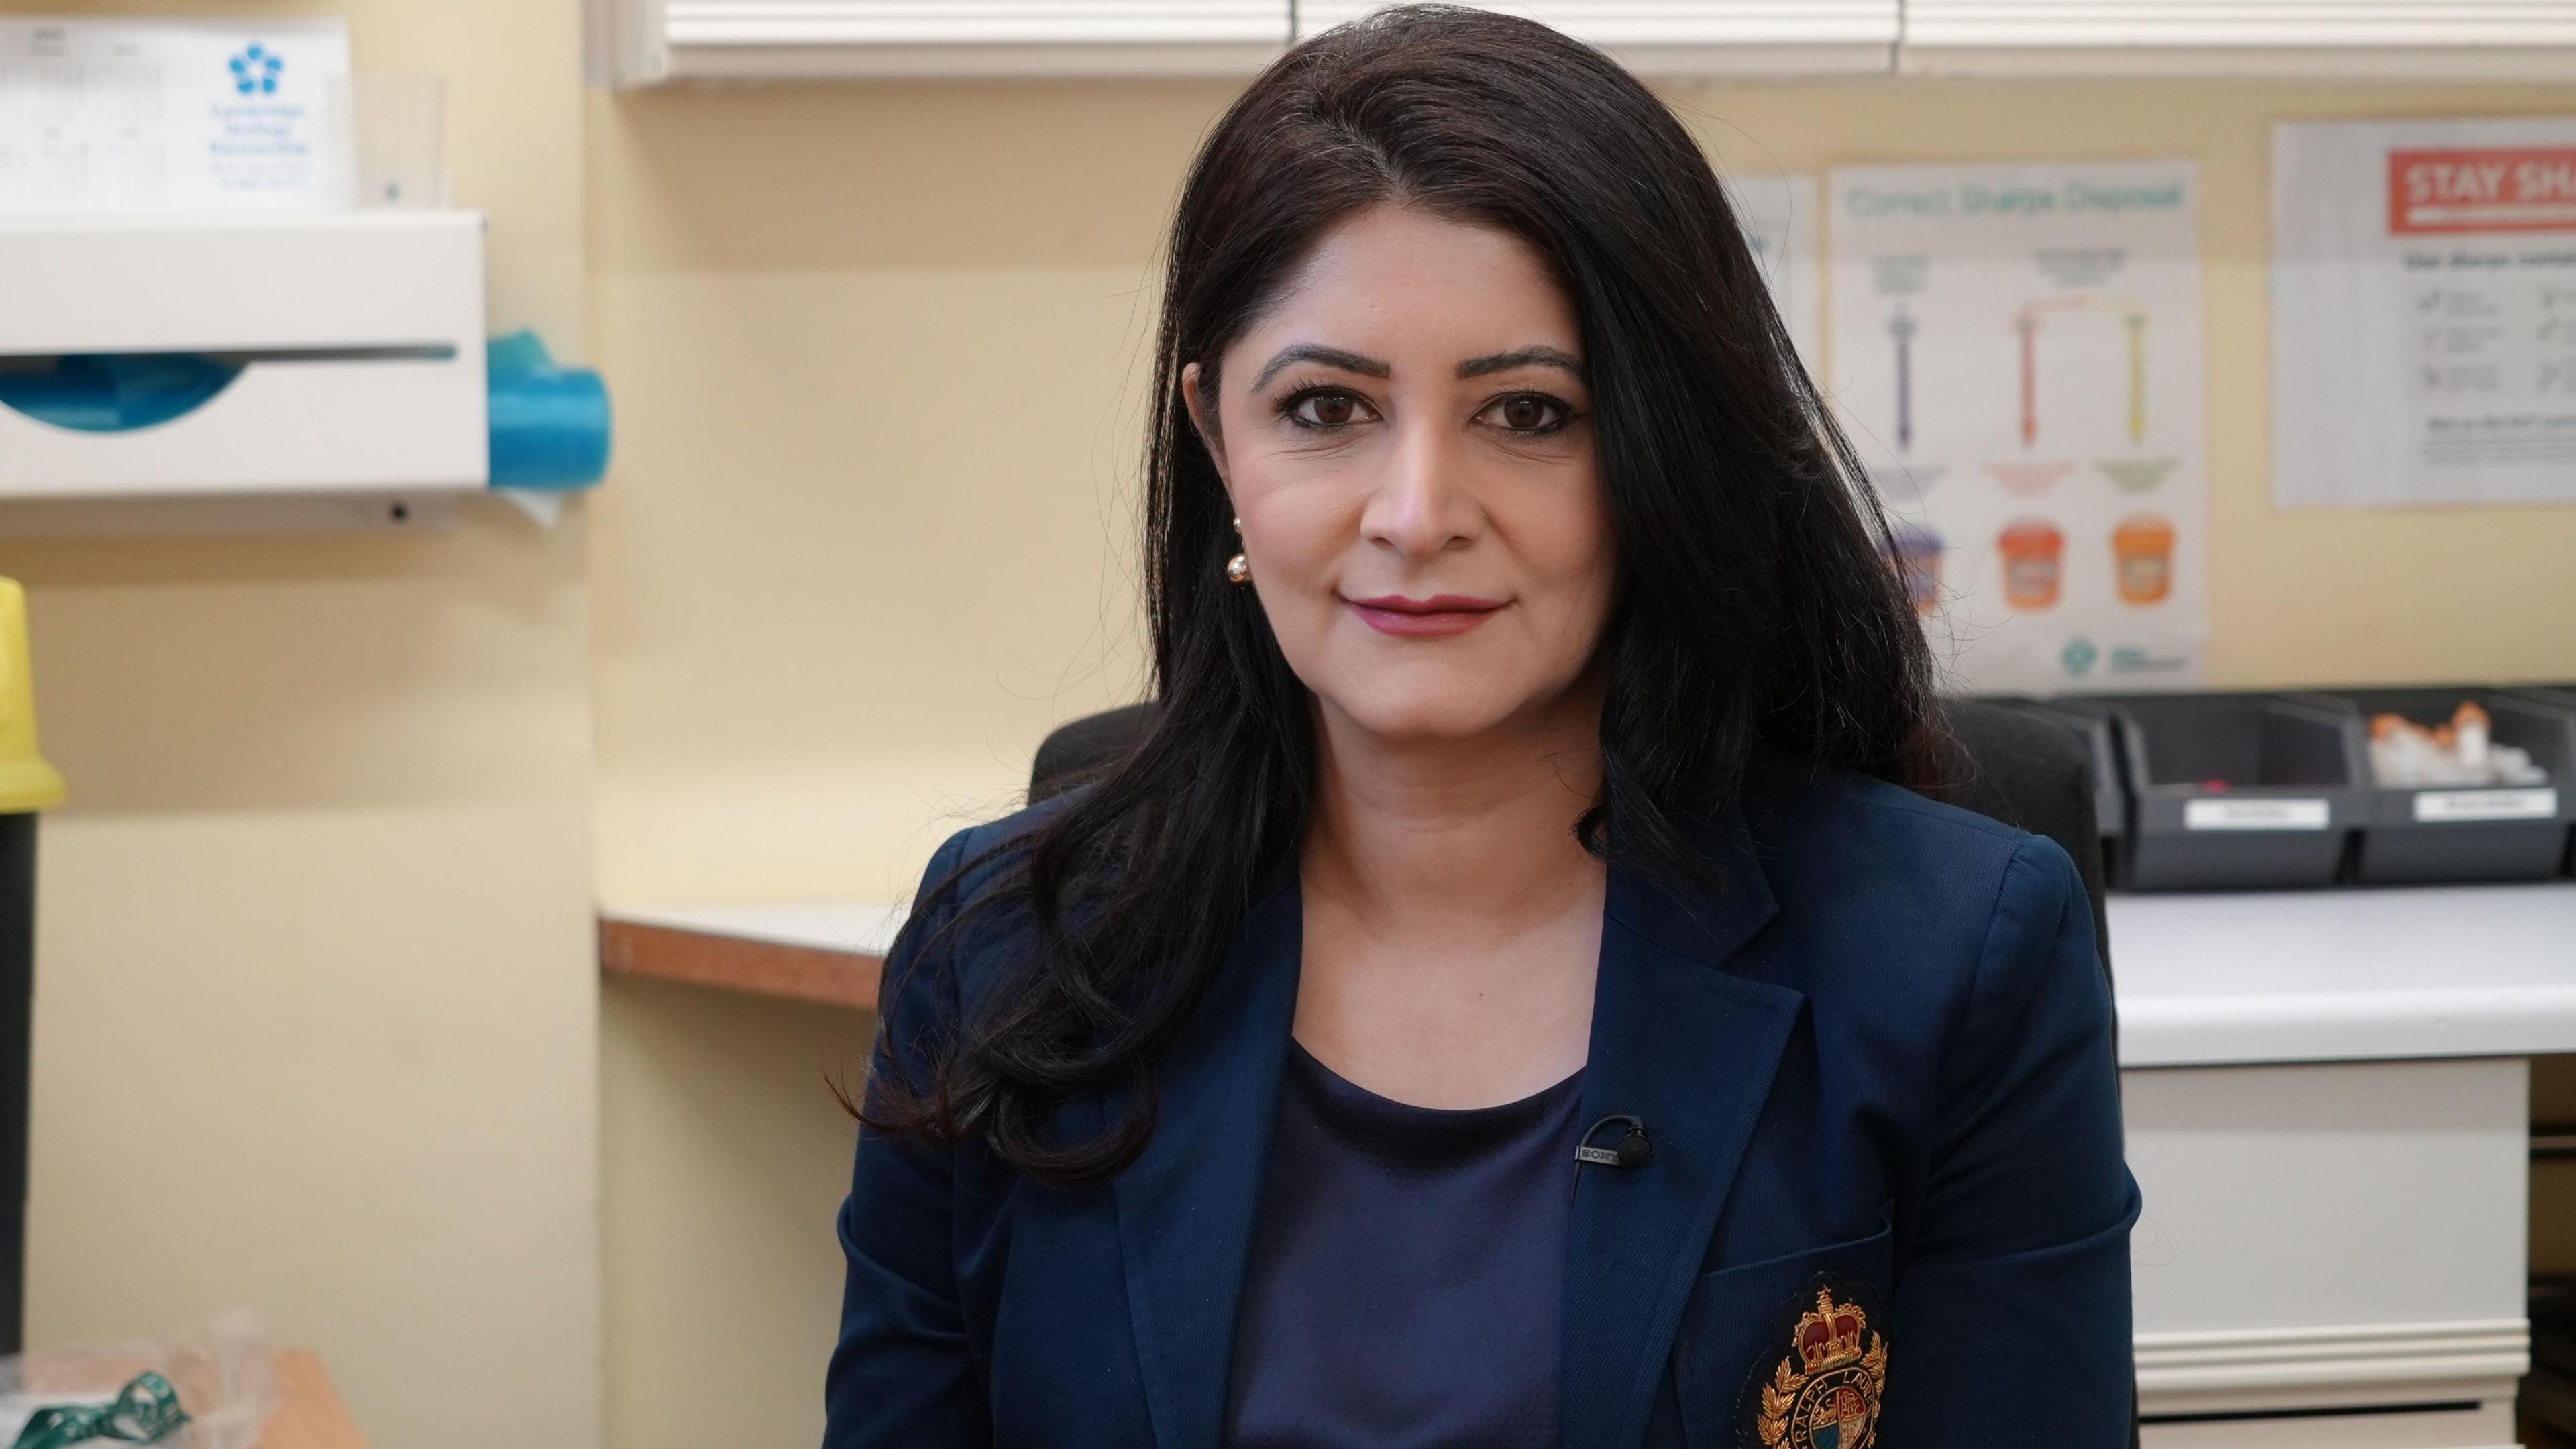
2017, 356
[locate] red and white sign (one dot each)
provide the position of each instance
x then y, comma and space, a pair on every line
2523, 188
2424, 313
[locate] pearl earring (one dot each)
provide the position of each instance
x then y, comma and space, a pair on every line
1238, 569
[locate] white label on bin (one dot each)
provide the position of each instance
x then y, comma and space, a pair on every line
2257, 814
2539, 804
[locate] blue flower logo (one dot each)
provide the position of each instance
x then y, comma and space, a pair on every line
2079, 656
255, 70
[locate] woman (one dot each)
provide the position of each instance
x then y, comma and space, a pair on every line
1510, 997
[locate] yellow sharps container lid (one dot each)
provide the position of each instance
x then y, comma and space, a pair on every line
26, 781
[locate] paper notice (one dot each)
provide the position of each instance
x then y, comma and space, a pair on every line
128, 116
2423, 313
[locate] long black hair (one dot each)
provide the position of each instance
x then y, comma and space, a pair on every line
1756, 606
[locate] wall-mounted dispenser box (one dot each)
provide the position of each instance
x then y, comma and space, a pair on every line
260, 357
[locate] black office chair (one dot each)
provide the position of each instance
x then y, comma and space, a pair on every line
2027, 772
2030, 773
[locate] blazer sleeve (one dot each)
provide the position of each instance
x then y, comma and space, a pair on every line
2012, 1323
902, 1376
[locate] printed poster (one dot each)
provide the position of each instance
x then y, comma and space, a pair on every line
1777, 213
2423, 313
2017, 354
173, 115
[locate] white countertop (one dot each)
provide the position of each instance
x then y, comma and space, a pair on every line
2345, 975
2204, 980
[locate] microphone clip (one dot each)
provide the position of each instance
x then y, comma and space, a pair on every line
1635, 1149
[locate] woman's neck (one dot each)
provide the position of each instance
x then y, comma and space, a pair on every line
1451, 836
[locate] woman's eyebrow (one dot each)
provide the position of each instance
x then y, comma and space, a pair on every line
1317, 352
1523, 357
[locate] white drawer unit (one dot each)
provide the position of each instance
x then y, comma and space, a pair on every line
2331, 1236
2327, 1096
159, 358
1698, 37
643, 42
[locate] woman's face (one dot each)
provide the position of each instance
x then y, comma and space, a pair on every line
1407, 438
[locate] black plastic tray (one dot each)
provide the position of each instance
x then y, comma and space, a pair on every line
2235, 791
2416, 834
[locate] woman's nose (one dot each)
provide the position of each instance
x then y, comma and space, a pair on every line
1422, 505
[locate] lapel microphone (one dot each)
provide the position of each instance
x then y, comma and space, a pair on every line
1634, 1150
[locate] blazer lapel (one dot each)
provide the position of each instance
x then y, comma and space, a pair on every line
1690, 1049
1186, 1207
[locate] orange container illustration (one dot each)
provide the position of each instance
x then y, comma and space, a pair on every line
2142, 548
2034, 562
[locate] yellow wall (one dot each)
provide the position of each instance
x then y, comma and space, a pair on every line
880, 351
316, 1018
877, 352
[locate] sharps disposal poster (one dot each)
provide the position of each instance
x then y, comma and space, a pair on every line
2423, 313
2017, 354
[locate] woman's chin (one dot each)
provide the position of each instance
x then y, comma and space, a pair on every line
1419, 718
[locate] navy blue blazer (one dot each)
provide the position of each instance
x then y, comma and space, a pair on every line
1886, 1207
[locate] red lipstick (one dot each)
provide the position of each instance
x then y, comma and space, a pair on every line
1437, 617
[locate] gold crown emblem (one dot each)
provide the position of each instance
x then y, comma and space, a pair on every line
1832, 1334
1832, 1401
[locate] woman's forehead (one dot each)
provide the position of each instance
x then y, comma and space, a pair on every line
1395, 278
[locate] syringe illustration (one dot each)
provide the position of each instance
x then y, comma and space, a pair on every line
2137, 378
1902, 328
2134, 322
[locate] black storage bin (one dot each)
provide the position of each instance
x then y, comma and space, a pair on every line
2560, 697
2102, 741
2420, 833
2230, 791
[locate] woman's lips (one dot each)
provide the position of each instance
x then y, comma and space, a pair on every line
1436, 617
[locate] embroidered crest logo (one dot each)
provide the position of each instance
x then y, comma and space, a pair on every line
1825, 1394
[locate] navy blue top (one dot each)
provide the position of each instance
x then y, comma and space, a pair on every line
1407, 1271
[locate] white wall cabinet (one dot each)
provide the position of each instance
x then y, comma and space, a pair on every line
2473, 39
645, 42
1699, 37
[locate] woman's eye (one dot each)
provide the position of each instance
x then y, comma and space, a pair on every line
1529, 413
1326, 409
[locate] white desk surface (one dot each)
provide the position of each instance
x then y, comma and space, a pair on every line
863, 928
2204, 980
2345, 975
